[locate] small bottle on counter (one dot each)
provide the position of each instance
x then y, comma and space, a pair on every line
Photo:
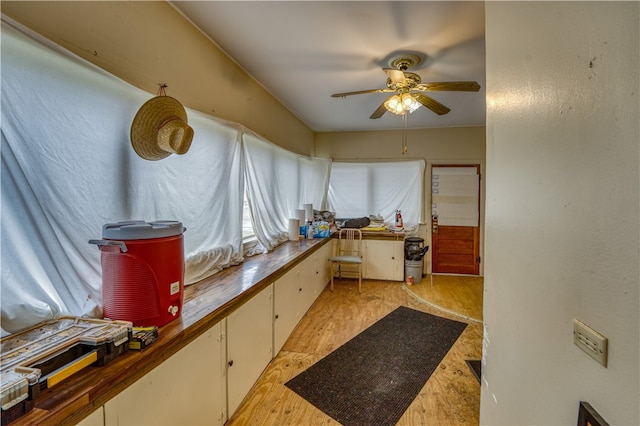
399, 223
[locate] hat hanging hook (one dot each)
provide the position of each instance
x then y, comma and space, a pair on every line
161, 90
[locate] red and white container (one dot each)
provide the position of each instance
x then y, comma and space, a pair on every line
142, 271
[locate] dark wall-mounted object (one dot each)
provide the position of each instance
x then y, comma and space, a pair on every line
588, 416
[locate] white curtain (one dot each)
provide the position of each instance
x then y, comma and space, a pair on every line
364, 189
68, 168
278, 182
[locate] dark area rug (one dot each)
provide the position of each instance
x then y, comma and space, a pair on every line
373, 378
476, 367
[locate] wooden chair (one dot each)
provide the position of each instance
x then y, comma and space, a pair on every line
349, 253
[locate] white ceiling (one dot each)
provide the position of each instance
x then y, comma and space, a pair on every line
304, 51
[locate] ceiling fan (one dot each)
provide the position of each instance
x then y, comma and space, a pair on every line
408, 89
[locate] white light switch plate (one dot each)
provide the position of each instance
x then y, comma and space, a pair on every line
590, 341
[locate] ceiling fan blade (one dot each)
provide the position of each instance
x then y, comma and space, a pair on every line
431, 103
450, 86
397, 76
379, 112
360, 92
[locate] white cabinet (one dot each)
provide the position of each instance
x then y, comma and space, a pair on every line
94, 419
321, 268
186, 389
286, 306
383, 260
249, 346
205, 382
295, 292
307, 287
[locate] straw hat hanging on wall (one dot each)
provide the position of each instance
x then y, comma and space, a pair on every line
160, 129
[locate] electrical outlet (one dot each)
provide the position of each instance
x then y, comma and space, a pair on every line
590, 341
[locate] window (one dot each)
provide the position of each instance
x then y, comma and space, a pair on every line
278, 182
364, 189
247, 228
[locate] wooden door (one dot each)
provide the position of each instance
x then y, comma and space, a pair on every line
455, 219
456, 250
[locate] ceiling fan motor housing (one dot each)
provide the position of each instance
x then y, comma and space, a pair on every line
411, 80
404, 62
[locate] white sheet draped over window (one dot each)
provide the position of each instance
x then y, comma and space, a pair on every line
278, 183
68, 168
364, 189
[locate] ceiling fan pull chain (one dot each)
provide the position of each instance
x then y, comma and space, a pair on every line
404, 134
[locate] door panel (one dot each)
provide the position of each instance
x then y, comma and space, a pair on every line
455, 204
456, 250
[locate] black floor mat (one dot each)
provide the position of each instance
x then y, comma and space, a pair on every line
374, 377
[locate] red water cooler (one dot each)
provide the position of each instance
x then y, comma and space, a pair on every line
142, 271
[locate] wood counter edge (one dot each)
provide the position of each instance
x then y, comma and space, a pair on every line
380, 235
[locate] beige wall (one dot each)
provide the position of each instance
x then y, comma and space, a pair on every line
459, 143
562, 210
147, 43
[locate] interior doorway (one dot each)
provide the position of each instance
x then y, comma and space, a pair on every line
455, 219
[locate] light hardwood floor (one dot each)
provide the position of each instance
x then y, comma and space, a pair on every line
450, 397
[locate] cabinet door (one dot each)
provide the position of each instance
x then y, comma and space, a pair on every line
186, 389
285, 308
383, 260
397, 260
307, 285
295, 292
321, 267
249, 343
94, 419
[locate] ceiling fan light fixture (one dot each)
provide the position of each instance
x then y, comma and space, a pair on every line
394, 105
409, 103
401, 104
407, 100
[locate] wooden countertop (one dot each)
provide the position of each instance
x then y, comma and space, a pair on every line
383, 235
205, 304
379, 235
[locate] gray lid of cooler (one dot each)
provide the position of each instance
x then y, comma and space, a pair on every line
141, 230
414, 240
